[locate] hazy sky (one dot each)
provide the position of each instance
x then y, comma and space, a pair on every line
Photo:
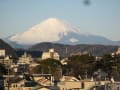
100, 17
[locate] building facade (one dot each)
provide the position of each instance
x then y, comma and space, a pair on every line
50, 54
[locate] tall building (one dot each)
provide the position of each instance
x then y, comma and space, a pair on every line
5, 59
50, 54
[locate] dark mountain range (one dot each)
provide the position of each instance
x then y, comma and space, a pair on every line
34, 54
62, 49
66, 50
7, 47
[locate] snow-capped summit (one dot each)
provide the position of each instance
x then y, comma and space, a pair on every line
50, 30
58, 31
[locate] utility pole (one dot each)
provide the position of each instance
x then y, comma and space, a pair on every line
86, 75
105, 82
8, 77
9, 64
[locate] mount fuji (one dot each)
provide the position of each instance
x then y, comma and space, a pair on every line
57, 31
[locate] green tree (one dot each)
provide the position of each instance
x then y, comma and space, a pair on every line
3, 69
107, 61
81, 65
48, 66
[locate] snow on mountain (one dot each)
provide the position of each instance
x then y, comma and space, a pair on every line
58, 31
50, 30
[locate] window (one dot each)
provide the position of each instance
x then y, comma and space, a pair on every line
82, 85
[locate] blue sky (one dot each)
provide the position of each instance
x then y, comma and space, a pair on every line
101, 17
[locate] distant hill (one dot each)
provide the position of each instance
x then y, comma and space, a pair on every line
7, 47
34, 54
66, 50
14, 44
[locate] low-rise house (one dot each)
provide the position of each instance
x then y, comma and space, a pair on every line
17, 83
6, 60
43, 79
68, 78
83, 85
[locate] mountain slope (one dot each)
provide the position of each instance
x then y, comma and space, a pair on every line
58, 31
50, 30
7, 47
74, 39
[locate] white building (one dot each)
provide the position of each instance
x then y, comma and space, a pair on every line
25, 59
116, 53
50, 54
2, 52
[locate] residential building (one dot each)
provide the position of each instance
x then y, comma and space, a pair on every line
2, 52
6, 60
50, 54
24, 62
25, 59
116, 53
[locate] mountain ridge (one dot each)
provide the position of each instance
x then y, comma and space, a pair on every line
9, 50
96, 50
